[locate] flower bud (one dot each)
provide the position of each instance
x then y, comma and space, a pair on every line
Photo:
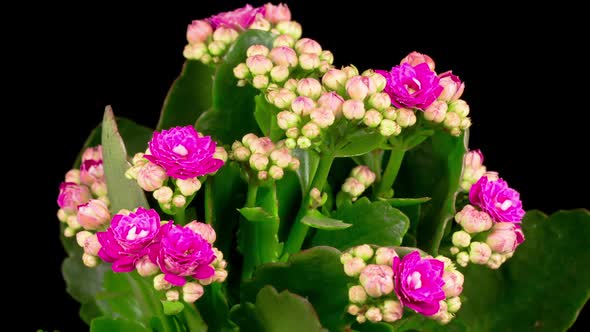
290, 28
322, 117
345, 257
294, 164
160, 283
453, 283
91, 245
69, 232
257, 50
92, 153
73, 176
350, 71
93, 214
241, 153
279, 74
302, 106
262, 145
99, 188
353, 109
195, 51
284, 40
415, 58
452, 120
357, 87
192, 291
373, 314
357, 294
260, 82
291, 143
151, 177
353, 309
309, 87
479, 253
390, 113
379, 80
163, 195
453, 304
198, 31
284, 56
145, 267
172, 295
179, 201
89, 260
276, 172
452, 87
363, 174
454, 250
292, 132
392, 311
461, 239
331, 101
188, 187
307, 45
365, 252
502, 239
463, 258
436, 112
353, 266
385, 255
380, 101
334, 79
81, 237
472, 220
495, 261
241, 71
62, 215
216, 47
460, 107
311, 130
303, 142
389, 128
262, 175
291, 85
286, 120
259, 64
283, 98
308, 61
372, 118
258, 161
353, 187
465, 123
361, 318
260, 24
226, 35
405, 117
377, 280
281, 157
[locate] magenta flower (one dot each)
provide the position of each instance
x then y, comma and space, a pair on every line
71, 195
91, 171
240, 19
418, 282
183, 153
501, 202
409, 86
183, 253
129, 238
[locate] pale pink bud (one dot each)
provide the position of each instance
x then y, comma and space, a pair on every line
160, 283
195, 51
241, 71
291, 84
442, 316
91, 245
92, 153
276, 172
69, 232
291, 143
307, 45
73, 176
303, 142
334, 79
353, 266
302, 106
62, 215
350, 71
353, 109
378, 80
309, 61
163, 195
286, 120
226, 35
216, 47
248, 139
294, 164
372, 118
353, 309
81, 237
276, 14
259, 64
405, 117
151, 177
472, 220
357, 87
205, 230
392, 311
390, 113
189, 186
192, 291
453, 283
380, 101
465, 123
93, 214
389, 127
241, 154
479, 253
262, 175
492, 176
311, 130
99, 188
260, 24
260, 82
415, 58
172, 295
361, 318
462, 258
327, 56
309, 87
206, 58
357, 294
284, 40
258, 161
373, 314
461, 239
453, 304
363, 251
323, 117
198, 31
503, 238
284, 98
139, 159
284, 56
220, 153
385, 255
290, 28
292, 132
460, 107
178, 201
377, 280
345, 257
363, 174
279, 74
331, 101
452, 87
353, 187
145, 267
91, 171
473, 159
89, 260
257, 50
447, 261
495, 261
281, 157
263, 145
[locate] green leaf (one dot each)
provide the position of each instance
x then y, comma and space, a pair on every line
214, 308
309, 161
373, 223
315, 274
172, 307
285, 312
401, 202
244, 315
359, 142
232, 114
542, 287
373, 327
433, 169
257, 214
317, 220
189, 96
194, 321
123, 193
266, 117
104, 324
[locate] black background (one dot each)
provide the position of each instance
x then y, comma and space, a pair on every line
524, 70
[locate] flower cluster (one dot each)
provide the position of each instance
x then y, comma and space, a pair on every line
361, 178
385, 284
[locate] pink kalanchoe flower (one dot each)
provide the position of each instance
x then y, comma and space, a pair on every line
183, 253
91, 171
129, 238
452, 86
412, 86
183, 153
276, 14
415, 58
93, 153
501, 202
240, 19
418, 282
71, 195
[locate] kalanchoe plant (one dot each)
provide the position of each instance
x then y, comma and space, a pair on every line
306, 198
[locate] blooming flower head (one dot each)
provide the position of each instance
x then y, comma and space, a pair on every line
240, 18
129, 237
183, 253
183, 152
501, 202
71, 195
418, 282
412, 86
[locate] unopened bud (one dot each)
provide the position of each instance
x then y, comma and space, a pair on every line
259, 64
405, 117
353, 266
323, 117
220, 276
377, 280
389, 127
69, 232
465, 123
260, 82
290, 28
284, 40
73, 175
262, 145
294, 164
380, 101
452, 120
62, 215
379, 80
462, 258
372, 118
453, 283
303, 142
454, 250
361, 318
216, 47
385, 255
151, 177
291, 143
461, 239
503, 237
472, 220
335, 79
292, 132
353, 187
436, 112
241, 154
452, 87
479, 253
415, 58
327, 56
258, 161
190, 186
495, 261
309, 87
374, 314
311, 130
91, 245
291, 85
357, 294
279, 74
257, 50
364, 251
309, 61
160, 283
93, 214
460, 107
163, 195
353, 109
72, 221
226, 35
281, 157
363, 174
284, 56
145, 267
195, 51
350, 71
353, 309
276, 172
287, 119
453, 304
89, 260
392, 311
179, 201
303, 106
81, 237
192, 291
241, 71
357, 87
172, 295
198, 31
307, 45
331, 101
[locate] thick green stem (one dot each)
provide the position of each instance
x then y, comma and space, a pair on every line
390, 173
249, 233
179, 216
251, 198
299, 230
209, 202
267, 231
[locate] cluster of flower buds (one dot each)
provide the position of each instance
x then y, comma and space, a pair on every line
289, 58
317, 198
266, 160
82, 199
483, 241
361, 177
473, 169
209, 39
453, 287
